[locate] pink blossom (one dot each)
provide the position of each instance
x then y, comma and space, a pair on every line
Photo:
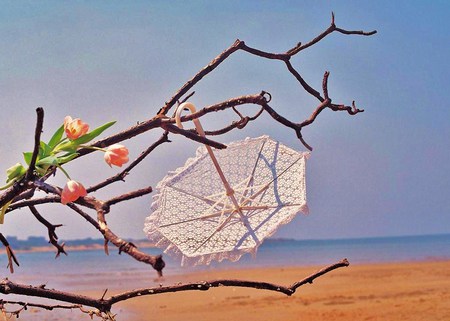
72, 191
116, 155
75, 128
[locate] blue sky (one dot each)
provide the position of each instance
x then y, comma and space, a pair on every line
383, 172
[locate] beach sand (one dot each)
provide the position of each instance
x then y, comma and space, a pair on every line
394, 291
397, 291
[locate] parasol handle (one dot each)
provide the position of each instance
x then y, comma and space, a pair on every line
201, 132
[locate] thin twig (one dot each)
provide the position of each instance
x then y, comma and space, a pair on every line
121, 176
129, 196
240, 124
53, 238
41, 306
10, 253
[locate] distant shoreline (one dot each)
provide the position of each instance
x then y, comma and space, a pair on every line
36, 244
69, 248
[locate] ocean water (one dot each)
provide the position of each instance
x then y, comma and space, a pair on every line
95, 266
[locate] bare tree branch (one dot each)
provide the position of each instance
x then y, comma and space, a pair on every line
155, 261
105, 305
8, 287
129, 196
194, 80
257, 99
195, 137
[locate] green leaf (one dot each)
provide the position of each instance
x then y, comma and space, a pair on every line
66, 158
44, 164
91, 135
44, 150
3, 211
15, 172
49, 160
71, 146
8, 185
27, 157
56, 138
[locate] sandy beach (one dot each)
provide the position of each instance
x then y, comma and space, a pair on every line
393, 291
397, 291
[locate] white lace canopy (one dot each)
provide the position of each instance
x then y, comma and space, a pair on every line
193, 216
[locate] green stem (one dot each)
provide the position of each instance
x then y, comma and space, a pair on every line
56, 148
3, 211
64, 171
94, 148
9, 184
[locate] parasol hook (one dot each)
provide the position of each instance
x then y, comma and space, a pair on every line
201, 132
192, 109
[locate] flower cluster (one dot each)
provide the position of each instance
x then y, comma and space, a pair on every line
61, 149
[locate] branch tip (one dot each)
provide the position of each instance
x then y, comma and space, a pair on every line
104, 293
325, 85
37, 140
302, 140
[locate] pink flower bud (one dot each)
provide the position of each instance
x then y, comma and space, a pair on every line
116, 155
72, 191
74, 128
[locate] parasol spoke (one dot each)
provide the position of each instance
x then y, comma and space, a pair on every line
203, 217
266, 207
244, 220
251, 178
245, 189
265, 187
205, 199
251, 198
220, 227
